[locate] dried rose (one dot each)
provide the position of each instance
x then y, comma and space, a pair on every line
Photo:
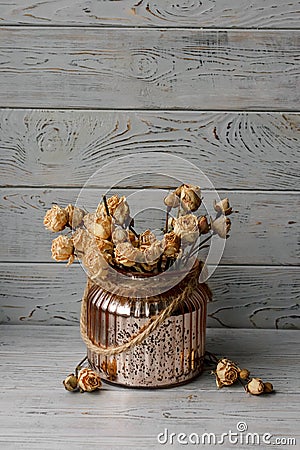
255, 386
103, 226
221, 226
146, 238
203, 225
62, 249
244, 374
186, 227
82, 240
56, 219
106, 248
268, 387
127, 255
226, 372
223, 207
152, 252
190, 197
120, 235
70, 382
88, 380
95, 263
171, 244
172, 200
117, 207
75, 216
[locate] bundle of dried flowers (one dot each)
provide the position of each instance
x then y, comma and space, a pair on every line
106, 236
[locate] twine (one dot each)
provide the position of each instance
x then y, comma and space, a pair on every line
142, 333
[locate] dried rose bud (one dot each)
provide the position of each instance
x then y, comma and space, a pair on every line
203, 225
83, 240
172, 200
62, 249
95, 264
146, 238
88, 380
103, 226
221, 226
119, 235
70, 383
186, 227
171, 244
75, 216
255, 386
127, 255
227, 372
223, 207
244, 374
268, 387
56, 219
190, 197
117, 207
152, 252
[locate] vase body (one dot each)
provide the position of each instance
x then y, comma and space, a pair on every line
172, 354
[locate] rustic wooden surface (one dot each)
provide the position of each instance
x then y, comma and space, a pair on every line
243, 296
205, 13
37, 413
149, 68
235, 150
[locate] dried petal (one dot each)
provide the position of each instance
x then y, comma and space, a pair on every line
268, 387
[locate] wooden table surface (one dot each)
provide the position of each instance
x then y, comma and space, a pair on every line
37, 413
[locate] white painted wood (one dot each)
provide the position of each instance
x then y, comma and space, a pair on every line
205, 13
36, 412
64, 148
149, 68
243, 296
264, 226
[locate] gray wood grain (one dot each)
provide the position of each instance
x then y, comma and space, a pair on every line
205, 13
265, 226
64, 148
149, 68
243, 296
35, 359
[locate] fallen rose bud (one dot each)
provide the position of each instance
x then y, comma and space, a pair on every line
255, 386
268, 387
244, 374
70, 383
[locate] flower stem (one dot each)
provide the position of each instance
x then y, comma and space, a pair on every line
201, 244
78, 367
105, 204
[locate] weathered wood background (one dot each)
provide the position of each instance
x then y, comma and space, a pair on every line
214, 81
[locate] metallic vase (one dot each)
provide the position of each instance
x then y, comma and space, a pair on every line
172, 354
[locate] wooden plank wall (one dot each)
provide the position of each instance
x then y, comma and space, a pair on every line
213, 81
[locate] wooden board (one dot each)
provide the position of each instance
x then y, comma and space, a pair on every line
149, 68
64, 148
264, 226
205, 13
243, 297
38, 413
